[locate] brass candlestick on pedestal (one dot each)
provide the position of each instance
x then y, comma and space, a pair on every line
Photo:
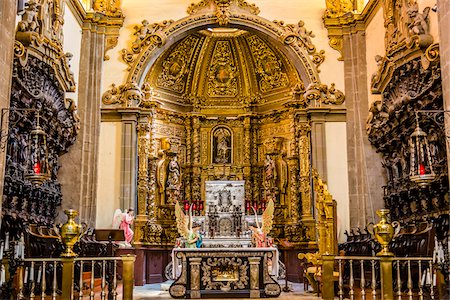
384, 232
70, 233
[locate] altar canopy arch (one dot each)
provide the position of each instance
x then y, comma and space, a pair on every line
227, 90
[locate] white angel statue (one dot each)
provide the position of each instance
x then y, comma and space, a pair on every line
186, 228
124, 220
259, 233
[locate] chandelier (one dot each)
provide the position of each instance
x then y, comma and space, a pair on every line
37, 170
421, 162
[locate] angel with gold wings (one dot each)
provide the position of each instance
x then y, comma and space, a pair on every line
259, 233
187, 228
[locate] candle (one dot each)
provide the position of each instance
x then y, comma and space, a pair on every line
421, 169
32, 272
2, 275
22, 246
25, 278
7, 242
1, 250
37, 168
39, 275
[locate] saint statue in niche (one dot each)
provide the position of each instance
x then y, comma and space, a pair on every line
173, 183
270, 172
222, 146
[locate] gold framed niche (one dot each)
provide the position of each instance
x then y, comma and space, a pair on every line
221, 141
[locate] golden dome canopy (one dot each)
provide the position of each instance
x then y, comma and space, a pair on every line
223, 68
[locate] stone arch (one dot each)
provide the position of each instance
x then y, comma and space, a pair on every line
157, 38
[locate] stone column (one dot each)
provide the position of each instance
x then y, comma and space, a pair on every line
79, 180
318, 143
254, 276
444, 48
7, 25
364, 164
128, 159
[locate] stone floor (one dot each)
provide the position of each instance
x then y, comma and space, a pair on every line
159, 291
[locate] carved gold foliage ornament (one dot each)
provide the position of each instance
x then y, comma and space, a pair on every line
127, 95
222, 8
268, 66
176, 66
146, 34
336, 42
299, 34
322, 94
108, 7
338, 8
326, 216
225, 272
222, 73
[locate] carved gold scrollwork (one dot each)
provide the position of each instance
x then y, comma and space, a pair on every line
146, 34
108, 7
336, 42
432, 52
268, 66
222, 7
299, 34
129, 95
175, 66
338, 8
222, 73
323, 94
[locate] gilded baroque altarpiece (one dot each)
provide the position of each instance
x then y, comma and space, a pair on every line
231, 101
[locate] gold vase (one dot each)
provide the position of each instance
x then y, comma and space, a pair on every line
384, 232
71, 232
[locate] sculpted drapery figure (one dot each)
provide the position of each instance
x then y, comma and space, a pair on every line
187, 228
222, 146
282, 176
173, 174
270, 172
161, 175
124, 220
173, 183
260, 232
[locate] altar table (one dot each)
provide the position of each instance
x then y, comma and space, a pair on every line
229, 272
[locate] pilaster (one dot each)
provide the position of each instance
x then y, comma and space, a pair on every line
318, 141
7, 24
347, 35
128, 159
79, 181
444, 49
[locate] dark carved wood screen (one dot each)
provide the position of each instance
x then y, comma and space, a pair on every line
34, 87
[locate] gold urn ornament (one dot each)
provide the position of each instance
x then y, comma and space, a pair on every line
70, 233
384, 232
